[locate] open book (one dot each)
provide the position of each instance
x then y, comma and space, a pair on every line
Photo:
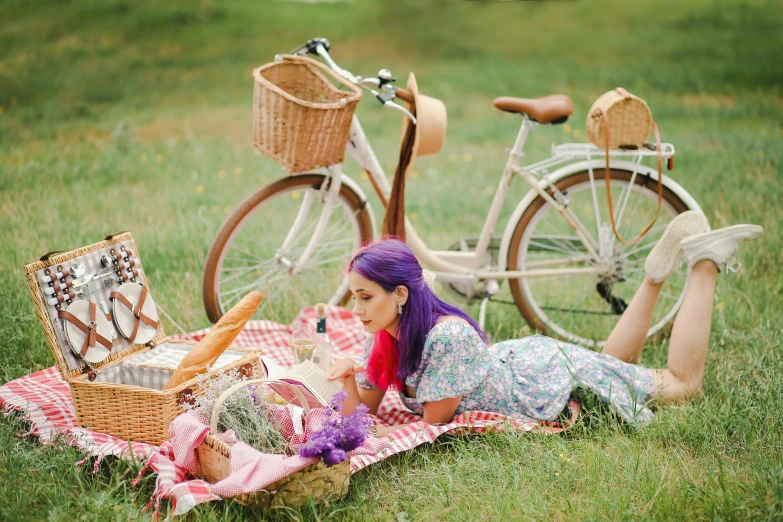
307, 377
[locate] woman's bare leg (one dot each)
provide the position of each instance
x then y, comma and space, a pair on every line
627, 338
690, 338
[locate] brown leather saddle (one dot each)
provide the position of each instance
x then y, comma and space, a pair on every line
549, 109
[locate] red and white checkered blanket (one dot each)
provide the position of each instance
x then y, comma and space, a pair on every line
44, 400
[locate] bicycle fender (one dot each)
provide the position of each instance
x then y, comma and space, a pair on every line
598, 166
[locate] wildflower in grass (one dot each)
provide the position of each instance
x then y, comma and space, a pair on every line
199, 189
237, 171
567, 128
158, 158
467, 156
222, 174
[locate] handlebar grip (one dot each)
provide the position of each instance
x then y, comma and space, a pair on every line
404, 94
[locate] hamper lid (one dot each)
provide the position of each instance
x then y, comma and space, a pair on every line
54, 287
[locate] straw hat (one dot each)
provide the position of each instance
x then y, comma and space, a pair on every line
431, 122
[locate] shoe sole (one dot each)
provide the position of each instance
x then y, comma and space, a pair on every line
751, 231
659, 269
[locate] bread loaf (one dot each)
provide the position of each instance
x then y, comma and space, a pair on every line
207, 351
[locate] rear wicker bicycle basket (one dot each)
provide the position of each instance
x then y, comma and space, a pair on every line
300, 118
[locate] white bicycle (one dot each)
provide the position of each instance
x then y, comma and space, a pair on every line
567, 273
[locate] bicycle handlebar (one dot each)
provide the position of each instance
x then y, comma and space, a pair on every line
404, 94
321, 46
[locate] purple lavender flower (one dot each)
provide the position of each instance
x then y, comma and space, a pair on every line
335, 456
355, 428
337, 401
339, 434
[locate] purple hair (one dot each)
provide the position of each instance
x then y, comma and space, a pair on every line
390, 263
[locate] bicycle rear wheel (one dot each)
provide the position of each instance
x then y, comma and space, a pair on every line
248, 252
583, 308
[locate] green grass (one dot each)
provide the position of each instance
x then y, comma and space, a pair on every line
142, 102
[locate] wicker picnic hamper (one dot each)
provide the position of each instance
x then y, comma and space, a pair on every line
127, 411
300, 118
312, 483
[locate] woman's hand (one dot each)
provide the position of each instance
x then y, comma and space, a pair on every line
343, 369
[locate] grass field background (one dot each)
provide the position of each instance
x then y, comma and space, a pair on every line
119, 115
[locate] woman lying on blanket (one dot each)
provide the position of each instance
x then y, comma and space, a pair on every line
437, 357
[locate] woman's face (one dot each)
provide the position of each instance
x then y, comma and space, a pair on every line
373, 306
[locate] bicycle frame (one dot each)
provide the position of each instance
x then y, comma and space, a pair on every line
466, 267
455, 266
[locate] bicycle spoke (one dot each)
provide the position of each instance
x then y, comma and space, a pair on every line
627, 191
557, 237
545, 246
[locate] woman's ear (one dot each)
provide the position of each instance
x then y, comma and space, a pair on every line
401, 295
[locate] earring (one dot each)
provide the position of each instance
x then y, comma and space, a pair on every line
399, 309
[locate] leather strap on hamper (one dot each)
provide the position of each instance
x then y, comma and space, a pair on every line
139, 317
91, 335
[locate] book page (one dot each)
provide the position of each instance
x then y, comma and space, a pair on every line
315, 379
286, 393
272, 370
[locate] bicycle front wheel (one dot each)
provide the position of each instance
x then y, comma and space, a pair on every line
584, 307
254, 248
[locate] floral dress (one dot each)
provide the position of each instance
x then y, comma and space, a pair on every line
532, 377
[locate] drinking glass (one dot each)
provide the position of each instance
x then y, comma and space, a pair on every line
302, 342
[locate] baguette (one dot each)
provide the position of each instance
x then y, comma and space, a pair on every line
207, 351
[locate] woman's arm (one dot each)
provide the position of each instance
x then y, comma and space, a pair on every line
345, 371
439, 412
358, 395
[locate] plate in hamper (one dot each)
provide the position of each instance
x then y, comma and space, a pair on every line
137, 326
99, 328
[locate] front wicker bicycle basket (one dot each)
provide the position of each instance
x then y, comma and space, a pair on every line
300, 118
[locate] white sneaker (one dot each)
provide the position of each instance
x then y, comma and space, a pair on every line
667, 253
719, 246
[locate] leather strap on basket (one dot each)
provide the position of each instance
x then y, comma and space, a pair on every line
646, 229
137, 315
91, 335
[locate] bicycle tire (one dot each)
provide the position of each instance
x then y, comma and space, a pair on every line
530, 309
233, 226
